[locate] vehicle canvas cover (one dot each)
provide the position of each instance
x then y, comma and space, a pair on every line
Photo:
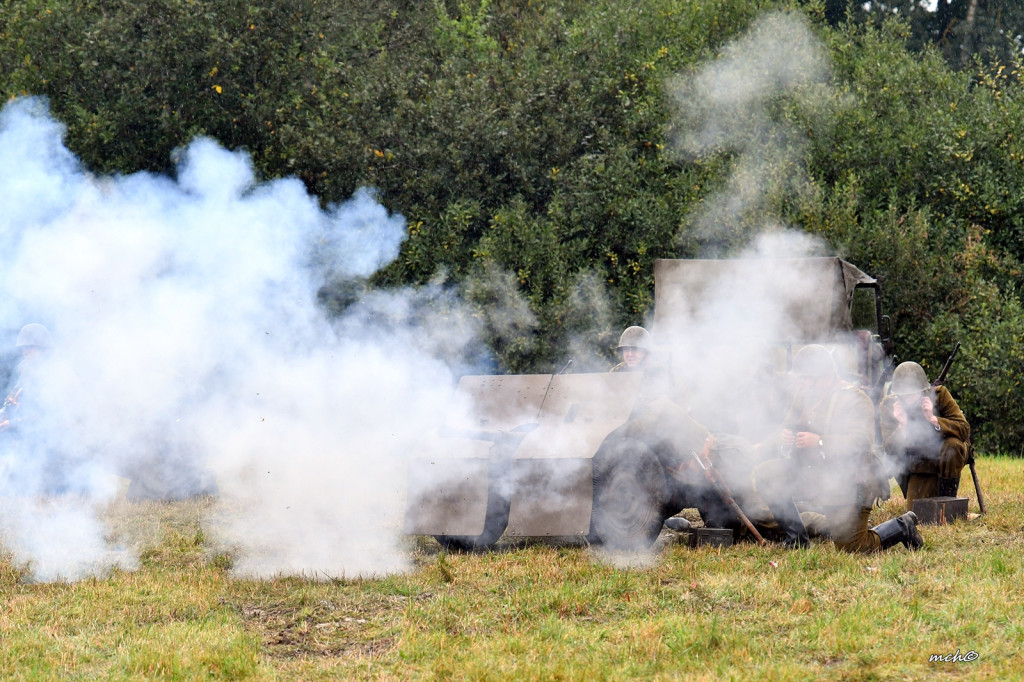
545, 428
814, 295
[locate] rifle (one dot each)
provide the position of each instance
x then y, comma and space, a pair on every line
10, 401
974, 477
970, 446
878, 390
547, 389
945, 368
723, 490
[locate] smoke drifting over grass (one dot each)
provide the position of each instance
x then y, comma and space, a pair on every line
190, 348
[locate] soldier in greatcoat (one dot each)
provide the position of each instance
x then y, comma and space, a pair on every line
925, 433
828, 464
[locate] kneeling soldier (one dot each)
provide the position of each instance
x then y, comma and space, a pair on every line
925, 432
827, 460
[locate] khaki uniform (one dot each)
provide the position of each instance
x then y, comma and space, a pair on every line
841, 477
922, 452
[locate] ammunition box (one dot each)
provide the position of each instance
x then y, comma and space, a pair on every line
940, 510
710, 537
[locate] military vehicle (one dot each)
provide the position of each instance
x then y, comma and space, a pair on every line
548, 455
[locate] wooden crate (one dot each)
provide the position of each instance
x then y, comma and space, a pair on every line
710, 537
940, 510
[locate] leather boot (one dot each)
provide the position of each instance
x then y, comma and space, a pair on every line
902, 529
948, 487
787, 517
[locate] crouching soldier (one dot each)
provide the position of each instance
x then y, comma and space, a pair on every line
925, 433
661, 420
827, 461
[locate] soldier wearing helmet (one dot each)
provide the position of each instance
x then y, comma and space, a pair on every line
925, 433
34, 336
827, 461
634, 348
661, 419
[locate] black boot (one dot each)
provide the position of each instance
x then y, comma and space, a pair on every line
902, 529
948, 487
787, 517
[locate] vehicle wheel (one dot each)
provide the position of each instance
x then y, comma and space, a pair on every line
499, 502
630, 493
494, 526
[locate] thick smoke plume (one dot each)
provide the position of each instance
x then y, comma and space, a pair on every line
738, 105
731, 336
735, 105
191, 355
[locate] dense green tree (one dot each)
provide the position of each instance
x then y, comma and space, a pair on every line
534, 147
961, 29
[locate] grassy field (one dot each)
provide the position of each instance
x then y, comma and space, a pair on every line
541, 610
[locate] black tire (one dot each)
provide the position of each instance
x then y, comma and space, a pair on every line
499, 502
630, 496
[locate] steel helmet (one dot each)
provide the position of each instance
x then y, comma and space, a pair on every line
909, 378
34, 335
813, 361
635, 337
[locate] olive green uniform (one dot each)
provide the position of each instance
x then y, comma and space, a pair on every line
923, 452
841, 476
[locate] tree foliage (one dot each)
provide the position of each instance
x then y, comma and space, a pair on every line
962, 30
530, 148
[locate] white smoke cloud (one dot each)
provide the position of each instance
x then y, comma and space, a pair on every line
737, 104
191, 349
191, 355
732, 331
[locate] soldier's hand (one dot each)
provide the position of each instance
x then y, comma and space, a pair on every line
928, 410
786, 437
899, 414
806, 439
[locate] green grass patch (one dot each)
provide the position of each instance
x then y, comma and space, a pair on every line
539, 610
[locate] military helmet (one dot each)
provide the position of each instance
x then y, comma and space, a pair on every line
813, 361
635, 337
909, 378
34, 335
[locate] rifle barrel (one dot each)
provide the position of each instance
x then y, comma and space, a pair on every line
945, 368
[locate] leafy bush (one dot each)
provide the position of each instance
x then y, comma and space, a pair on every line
529, 146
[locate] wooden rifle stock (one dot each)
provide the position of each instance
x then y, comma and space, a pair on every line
723, 490
939, 380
